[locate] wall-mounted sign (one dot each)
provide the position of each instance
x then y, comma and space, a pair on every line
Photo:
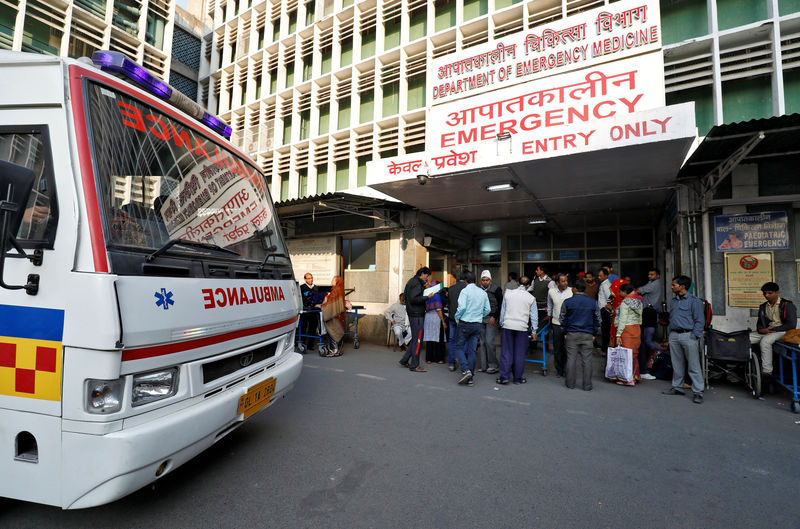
622, 130
317, 256
745, 272
590, 38
567, 104
752, 231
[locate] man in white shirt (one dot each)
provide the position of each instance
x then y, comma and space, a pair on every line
604, 307
518, 314
398, 319
555, 297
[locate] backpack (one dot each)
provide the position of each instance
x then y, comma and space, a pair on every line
708, 314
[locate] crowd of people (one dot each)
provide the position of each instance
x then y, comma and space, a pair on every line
584, 317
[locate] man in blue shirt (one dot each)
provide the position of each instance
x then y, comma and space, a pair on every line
686, 322
473, 305
580, 325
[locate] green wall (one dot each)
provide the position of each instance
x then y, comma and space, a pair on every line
683, 19
745, 99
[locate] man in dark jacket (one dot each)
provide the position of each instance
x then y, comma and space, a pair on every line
415, 308
489, 326
775, 317
580, 324
309, 323
452, 326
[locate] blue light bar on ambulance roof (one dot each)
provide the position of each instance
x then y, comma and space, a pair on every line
120, 64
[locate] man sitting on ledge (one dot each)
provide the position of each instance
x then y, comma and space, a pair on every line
775, 317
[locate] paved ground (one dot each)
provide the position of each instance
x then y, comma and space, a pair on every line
361, 442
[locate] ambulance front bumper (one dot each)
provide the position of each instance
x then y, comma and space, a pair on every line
104, 468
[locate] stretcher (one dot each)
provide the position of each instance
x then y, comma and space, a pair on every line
787, 354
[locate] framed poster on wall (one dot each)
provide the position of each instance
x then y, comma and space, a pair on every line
745, 272
318, 256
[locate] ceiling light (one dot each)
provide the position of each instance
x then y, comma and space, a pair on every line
508, 186
537, 220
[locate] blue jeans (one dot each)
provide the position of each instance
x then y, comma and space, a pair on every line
466, 343
452, 329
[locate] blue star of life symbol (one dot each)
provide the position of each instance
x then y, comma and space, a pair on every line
164, 299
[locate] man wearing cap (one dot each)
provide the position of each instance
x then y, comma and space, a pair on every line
489, 326
775, 316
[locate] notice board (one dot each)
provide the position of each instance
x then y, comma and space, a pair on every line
745, 272
317, 255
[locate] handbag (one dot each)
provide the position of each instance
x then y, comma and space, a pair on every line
619, 364
792, 336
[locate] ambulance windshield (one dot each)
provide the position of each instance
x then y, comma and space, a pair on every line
160, 180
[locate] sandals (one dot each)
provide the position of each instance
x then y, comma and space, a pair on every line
418, 370
501, 381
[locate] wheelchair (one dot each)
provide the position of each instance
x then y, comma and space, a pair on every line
728, 355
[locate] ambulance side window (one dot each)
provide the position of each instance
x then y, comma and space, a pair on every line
29, 147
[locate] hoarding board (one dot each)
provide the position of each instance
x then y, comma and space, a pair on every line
571, 100
768, 230
604, 34
745, 272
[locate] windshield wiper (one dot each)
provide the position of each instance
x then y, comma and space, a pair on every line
172, 242
271, 249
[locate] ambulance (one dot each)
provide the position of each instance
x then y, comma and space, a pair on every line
147, 301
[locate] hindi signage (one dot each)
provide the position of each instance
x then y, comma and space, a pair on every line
214, 204
600, 35
573, 100
744, 274
768, 230
659, 124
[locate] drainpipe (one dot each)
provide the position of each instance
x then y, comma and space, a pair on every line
706, 257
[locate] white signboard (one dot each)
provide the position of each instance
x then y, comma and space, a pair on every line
620, 130
604, 34
317, 256
573, 100
215, 204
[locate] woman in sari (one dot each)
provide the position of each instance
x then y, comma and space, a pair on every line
432, 330
334, 316
628, 323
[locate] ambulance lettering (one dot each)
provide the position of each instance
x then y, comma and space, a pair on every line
228, 297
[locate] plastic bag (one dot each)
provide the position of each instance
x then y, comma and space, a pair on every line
619, 364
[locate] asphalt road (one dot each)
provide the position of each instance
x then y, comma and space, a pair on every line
361, 442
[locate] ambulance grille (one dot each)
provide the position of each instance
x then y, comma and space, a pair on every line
220, 368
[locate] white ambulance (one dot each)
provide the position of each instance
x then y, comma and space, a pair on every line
148, 305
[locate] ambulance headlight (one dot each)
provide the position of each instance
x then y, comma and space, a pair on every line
104, 396
150, 387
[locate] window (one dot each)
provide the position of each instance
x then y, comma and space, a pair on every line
161, 183
358, 254
30, 149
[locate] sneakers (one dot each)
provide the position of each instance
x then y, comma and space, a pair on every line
465, 377
470, 384
492, 371
647, 376
674, 391
698, 398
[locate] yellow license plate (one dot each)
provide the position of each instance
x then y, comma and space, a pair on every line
256, 397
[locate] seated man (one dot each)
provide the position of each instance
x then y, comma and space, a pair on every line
398, 319
775, 317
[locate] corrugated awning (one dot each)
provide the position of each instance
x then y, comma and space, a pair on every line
781, 137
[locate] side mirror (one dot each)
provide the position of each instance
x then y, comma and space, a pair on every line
16, 183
